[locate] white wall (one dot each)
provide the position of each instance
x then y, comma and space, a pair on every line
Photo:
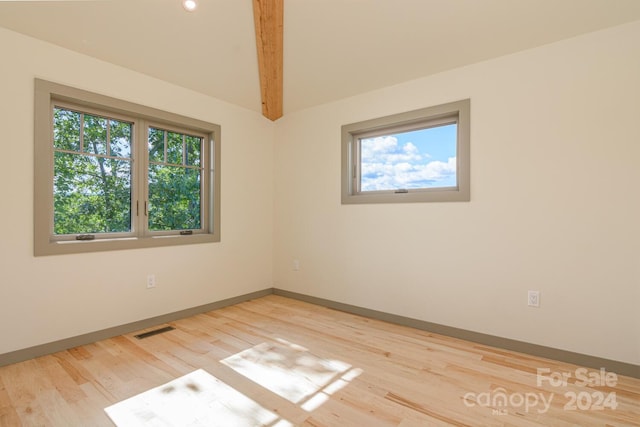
50, 298
555, 178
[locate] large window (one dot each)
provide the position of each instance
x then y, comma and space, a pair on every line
114, 175
418, 156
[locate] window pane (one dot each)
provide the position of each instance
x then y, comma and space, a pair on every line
174, 198
174, 148
156, 145
194, 150
91, 194
423, 158
95, 134
120, 139
66, 129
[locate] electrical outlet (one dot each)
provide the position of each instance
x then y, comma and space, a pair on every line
296, 264
151, 281
533, 298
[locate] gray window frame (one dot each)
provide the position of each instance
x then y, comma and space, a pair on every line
48, 95
454, 112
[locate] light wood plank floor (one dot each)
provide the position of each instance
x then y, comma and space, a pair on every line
396, 376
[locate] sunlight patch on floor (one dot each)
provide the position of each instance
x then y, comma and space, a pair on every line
197, 399
292, 372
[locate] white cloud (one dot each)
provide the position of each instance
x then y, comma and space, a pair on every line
386, 165
385, 149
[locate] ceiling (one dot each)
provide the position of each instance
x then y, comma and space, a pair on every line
332, 48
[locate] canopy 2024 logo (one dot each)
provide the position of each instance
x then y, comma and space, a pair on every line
500, 401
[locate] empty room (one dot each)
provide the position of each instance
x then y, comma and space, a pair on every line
320, 213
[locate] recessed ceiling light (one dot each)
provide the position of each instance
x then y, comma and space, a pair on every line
189, 5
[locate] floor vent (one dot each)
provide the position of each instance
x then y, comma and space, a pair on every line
154, 332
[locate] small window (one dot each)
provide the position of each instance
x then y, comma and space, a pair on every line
418, 156
115, 175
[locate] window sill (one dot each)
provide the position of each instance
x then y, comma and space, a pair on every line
439, 195
113, 244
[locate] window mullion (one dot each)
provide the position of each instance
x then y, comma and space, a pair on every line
184, 150
82, 133
107, 142
141, 163
165, 136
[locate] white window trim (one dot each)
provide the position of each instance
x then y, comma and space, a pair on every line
453, 112
46, 93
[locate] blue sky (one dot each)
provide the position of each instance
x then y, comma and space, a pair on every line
418, 159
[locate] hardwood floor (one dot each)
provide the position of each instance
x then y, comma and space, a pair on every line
385, 375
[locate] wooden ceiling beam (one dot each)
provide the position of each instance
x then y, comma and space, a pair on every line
268, 16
